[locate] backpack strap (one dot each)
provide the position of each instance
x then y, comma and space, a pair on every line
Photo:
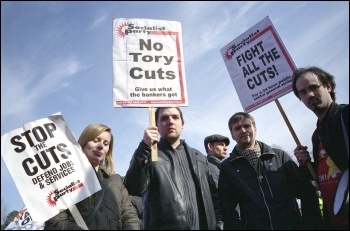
98, 203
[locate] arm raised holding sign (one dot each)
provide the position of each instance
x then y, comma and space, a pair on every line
178, 191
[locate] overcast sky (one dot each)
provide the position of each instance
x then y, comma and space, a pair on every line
57, 57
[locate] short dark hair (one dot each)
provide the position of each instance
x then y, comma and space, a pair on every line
239, 116
162, 108
322, 75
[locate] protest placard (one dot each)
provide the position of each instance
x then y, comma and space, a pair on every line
48, 166
259, 65
148, 63
261, 69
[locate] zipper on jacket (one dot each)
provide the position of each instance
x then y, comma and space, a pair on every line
267, 207
260, 178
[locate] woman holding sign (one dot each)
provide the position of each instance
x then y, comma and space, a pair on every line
110, 208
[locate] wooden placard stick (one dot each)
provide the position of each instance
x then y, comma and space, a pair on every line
77, 217
311, 169
152, 122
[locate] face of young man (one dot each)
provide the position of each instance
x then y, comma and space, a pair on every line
314, 95
170, 124
217, 149
244, 132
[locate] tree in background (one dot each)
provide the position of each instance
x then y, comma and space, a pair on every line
9, 217
4, 211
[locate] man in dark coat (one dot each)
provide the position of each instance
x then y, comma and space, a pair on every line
330, 140
265, 183
178, 190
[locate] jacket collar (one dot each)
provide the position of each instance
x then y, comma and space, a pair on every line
266, 152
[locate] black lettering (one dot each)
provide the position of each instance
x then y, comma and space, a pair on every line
21, 145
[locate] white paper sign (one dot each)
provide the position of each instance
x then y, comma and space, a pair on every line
23, 221
48, 166
259, 65
148, 63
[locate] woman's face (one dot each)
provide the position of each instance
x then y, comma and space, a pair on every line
96, 149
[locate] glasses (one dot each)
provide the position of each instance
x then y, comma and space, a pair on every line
312, 88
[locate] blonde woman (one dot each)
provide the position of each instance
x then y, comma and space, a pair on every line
114, 211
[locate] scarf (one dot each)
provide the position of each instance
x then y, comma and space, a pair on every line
251, 154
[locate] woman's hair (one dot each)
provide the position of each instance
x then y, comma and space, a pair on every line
90, 133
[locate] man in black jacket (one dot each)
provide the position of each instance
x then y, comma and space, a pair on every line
315, 88
178, 191
265, 183
216, 146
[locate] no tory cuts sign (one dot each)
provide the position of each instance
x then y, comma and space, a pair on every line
148, 65
48, 166
259, 65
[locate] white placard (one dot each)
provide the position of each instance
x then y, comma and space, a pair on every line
48, 166
259, 65
148, 63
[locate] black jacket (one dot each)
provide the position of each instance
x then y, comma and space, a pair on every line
159, 184
214, 166
332, 137
271, 202
331, 133
115, 213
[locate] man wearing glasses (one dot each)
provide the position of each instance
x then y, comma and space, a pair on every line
315, 88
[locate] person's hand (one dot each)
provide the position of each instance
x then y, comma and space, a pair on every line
151, 136
302, 155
